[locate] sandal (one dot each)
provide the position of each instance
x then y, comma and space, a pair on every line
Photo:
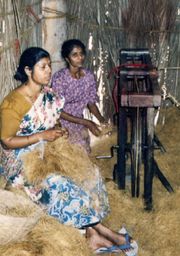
134, 250
129, 249
134, 246
112, 249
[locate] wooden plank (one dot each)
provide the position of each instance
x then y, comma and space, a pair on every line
139, 91
140, 100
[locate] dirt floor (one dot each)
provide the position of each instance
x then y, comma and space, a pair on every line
157, 232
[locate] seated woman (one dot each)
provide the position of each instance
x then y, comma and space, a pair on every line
78, 86
28, 116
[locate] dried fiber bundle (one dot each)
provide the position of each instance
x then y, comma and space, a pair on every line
62, 158
58, 239
49, 238
106, 129
58, 157
18, 216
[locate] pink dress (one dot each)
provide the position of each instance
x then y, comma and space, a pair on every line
77, 93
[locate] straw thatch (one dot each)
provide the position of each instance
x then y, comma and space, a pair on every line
18, 30
109, 26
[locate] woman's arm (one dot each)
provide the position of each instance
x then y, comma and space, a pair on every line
93, 127
95, 111
24, 141
105, 126
12, 111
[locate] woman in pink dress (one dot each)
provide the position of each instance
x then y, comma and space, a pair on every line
78, 86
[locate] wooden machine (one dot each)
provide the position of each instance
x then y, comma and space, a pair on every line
136, 96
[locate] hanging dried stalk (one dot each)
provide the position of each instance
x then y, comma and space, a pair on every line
19, 33
122, 24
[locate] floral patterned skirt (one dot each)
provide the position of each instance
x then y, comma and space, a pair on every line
70, 204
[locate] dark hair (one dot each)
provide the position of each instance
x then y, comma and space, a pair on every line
28, 59
68, 46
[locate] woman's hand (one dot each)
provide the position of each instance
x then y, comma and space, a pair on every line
24, 141
65, 132
106, 128
53, 134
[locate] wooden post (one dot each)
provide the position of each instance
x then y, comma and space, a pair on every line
54, 30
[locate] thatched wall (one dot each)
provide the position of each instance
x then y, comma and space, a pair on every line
105, 27
19, 28
118, 24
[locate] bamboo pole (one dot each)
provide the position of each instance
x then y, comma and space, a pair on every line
54, 30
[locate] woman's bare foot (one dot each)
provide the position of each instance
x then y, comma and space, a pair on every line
114, 237
95, 240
